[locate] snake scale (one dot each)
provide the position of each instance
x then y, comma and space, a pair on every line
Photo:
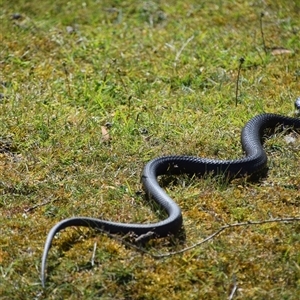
255, 160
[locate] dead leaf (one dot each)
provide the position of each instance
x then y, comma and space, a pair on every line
280, 51
105, 134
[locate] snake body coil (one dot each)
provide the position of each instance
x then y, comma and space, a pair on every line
254, 161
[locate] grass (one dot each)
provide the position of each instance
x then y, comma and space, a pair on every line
91, 91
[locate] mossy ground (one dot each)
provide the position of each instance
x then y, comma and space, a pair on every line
91, 91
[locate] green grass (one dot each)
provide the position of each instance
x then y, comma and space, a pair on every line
160, 78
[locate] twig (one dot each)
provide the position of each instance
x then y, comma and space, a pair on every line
144, 236
46, 201
234, 289
93, 255
67, 77
238, 79
183, 46
210, 237
120, 74
262, 32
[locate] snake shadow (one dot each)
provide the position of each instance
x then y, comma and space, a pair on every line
170, 180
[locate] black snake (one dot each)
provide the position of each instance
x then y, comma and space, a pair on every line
255, 160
